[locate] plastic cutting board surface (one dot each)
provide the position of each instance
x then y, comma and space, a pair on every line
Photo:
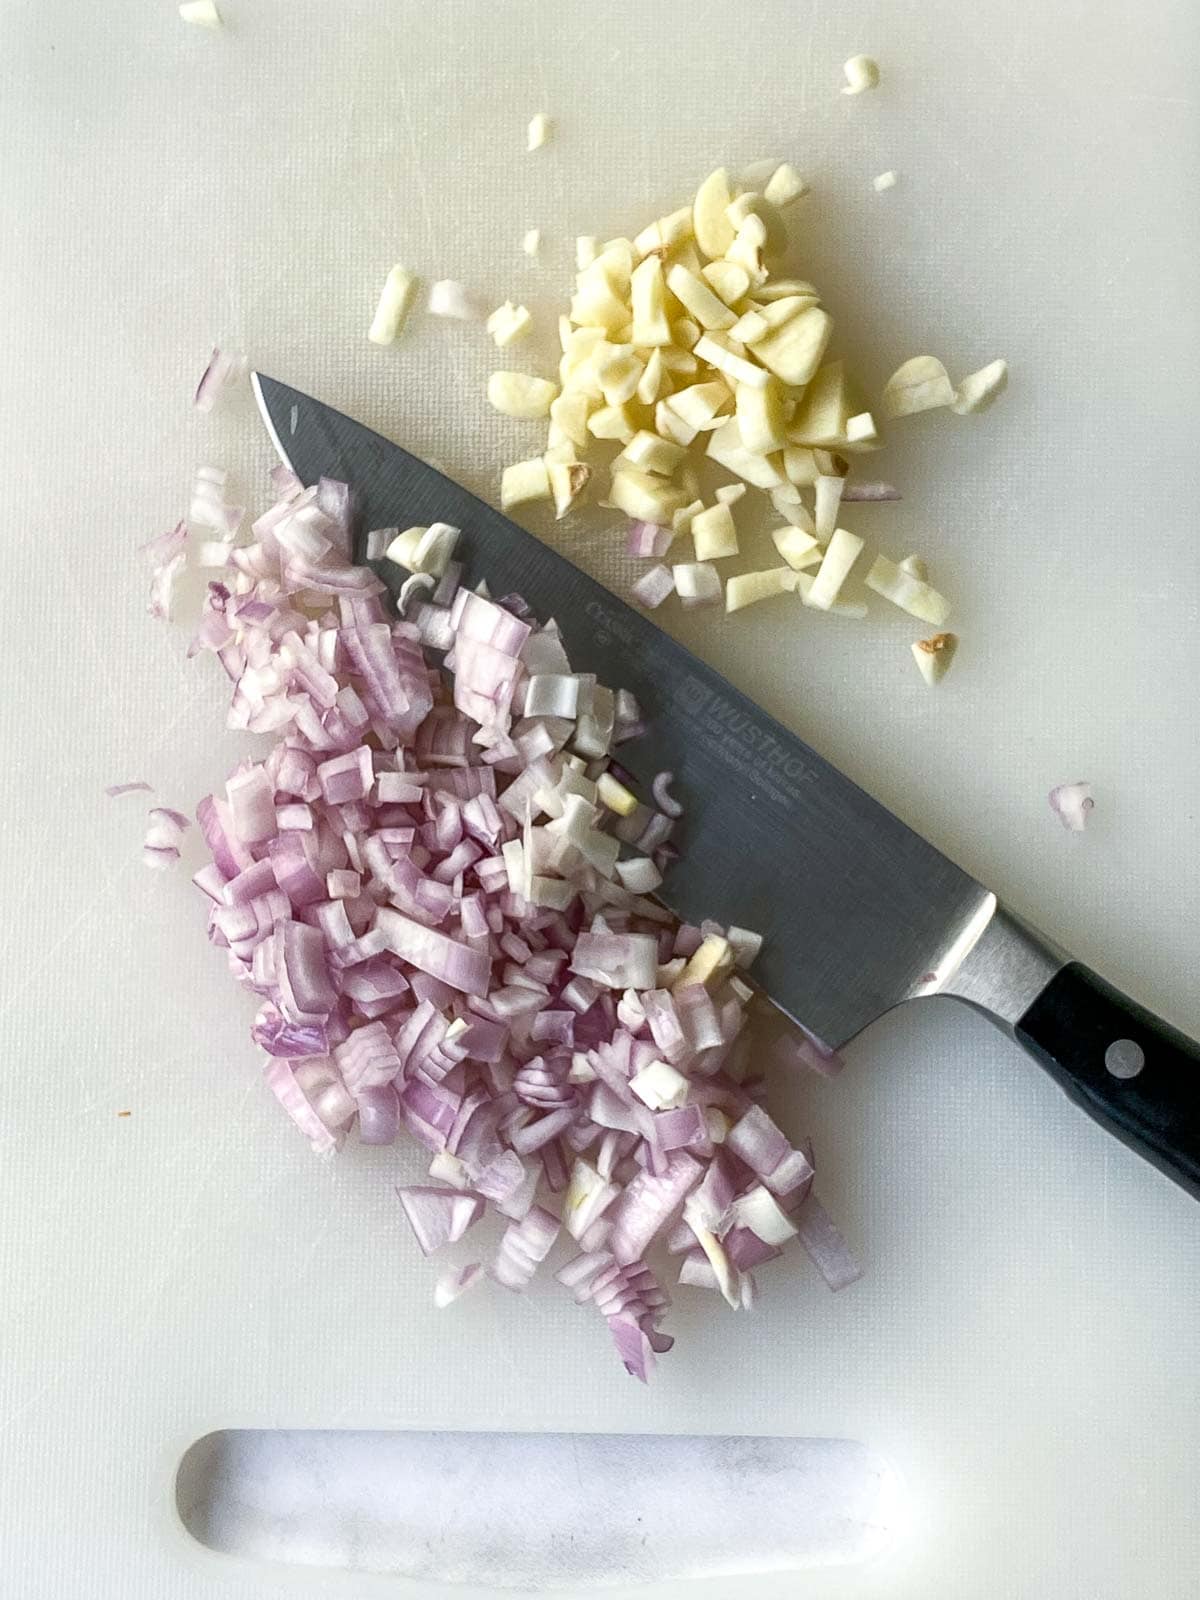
1024, 1346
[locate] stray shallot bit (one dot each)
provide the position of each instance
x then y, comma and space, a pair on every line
934, 655
209, 508
697, 583
870, 491
377, 542
532, 242
417, 583
508, 323
919, 384
139, 786
885, 180
454, 1282
393, 306
1072, 803
663, 799
436, 1216
164, 833
653, 587
203, 13
647, 540
977, 391
861, 74
167, 557
538, 131
449, 298
224, 368
823, 1241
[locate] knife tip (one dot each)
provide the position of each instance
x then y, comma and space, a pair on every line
259, 382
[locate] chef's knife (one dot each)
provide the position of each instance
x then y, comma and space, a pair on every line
857, 912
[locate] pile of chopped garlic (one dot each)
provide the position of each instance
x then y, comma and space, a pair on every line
681, 348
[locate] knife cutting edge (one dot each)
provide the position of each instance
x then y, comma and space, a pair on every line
857, 912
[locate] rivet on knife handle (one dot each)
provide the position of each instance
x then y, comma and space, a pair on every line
1135, 1074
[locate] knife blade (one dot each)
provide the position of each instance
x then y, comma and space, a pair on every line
857, 912
855, 909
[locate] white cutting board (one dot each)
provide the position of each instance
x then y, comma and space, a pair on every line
1024, 1346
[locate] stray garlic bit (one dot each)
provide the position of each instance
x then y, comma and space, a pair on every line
524, 481
393, 306
920, 384
933, 656
861, 74
532, 242
538, 132
885, 180
450, 299
201, 12
508, 323
785, 185
517, 394
977, 391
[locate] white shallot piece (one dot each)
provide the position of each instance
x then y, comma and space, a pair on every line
697, 583
225, 368
166, 554
885, 180
1072, 804
164, 834
454, 1282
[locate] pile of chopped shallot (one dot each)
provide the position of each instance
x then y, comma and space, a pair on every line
437, 883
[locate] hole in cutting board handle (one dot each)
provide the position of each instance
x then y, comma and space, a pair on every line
525, 1510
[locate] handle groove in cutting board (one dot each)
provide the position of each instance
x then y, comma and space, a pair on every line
538, 1511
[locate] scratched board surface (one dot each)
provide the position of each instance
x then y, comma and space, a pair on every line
1024, 1344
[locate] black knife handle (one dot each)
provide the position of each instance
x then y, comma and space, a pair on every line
1135, 1074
